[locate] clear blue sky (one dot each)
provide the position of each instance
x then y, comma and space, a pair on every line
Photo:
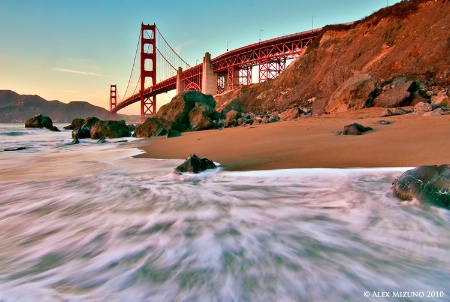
72, 50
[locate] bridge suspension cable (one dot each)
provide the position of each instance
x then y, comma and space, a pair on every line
167, 60
132, 72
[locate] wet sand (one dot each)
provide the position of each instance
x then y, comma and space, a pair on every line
410, 140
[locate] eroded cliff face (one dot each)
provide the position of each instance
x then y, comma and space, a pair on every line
410, 39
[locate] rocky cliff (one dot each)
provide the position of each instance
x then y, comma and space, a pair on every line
410, 40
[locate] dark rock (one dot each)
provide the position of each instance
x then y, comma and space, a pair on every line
153, 127
132, 127
173, 133
78, 123
14, 149
428, 184
195, 164
101, 140
110, 129
354, 129
82, 127
40, 121
74, 142
83, 132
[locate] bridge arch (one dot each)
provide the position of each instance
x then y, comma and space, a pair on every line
192, 86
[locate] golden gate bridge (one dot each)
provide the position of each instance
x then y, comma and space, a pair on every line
161, 69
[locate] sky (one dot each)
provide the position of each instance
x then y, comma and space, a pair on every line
73, 50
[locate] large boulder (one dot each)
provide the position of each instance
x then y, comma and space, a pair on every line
83, 132
81, 128
110, 129
178, 111
40, 121
195, 164
428, 184
153, 127
399, 95
355, 93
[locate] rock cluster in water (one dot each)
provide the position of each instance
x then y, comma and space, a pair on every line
40, 121
428, 184
95, 128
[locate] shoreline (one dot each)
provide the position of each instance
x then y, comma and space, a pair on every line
408, 141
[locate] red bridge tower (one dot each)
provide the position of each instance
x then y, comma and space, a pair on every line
148, 38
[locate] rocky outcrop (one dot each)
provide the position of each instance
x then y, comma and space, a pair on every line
78, 123
153, 127
428, 184
94, 128
354, 129
40, 121
110, 129
195, 164
190, 111
389, 44
81, 128
355, 93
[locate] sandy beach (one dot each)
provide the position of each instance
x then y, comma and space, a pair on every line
408, 141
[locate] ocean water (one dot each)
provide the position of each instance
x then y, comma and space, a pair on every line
89, 222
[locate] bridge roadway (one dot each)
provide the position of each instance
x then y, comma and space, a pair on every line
228, 64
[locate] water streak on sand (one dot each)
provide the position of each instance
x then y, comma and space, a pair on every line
89, 223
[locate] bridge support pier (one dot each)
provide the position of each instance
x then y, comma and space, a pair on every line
271, 68
233, 77
181, 85
112, 102
209, 78
245, 75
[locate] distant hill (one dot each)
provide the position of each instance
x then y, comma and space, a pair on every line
15, 107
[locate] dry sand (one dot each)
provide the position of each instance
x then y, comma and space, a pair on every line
410, 140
